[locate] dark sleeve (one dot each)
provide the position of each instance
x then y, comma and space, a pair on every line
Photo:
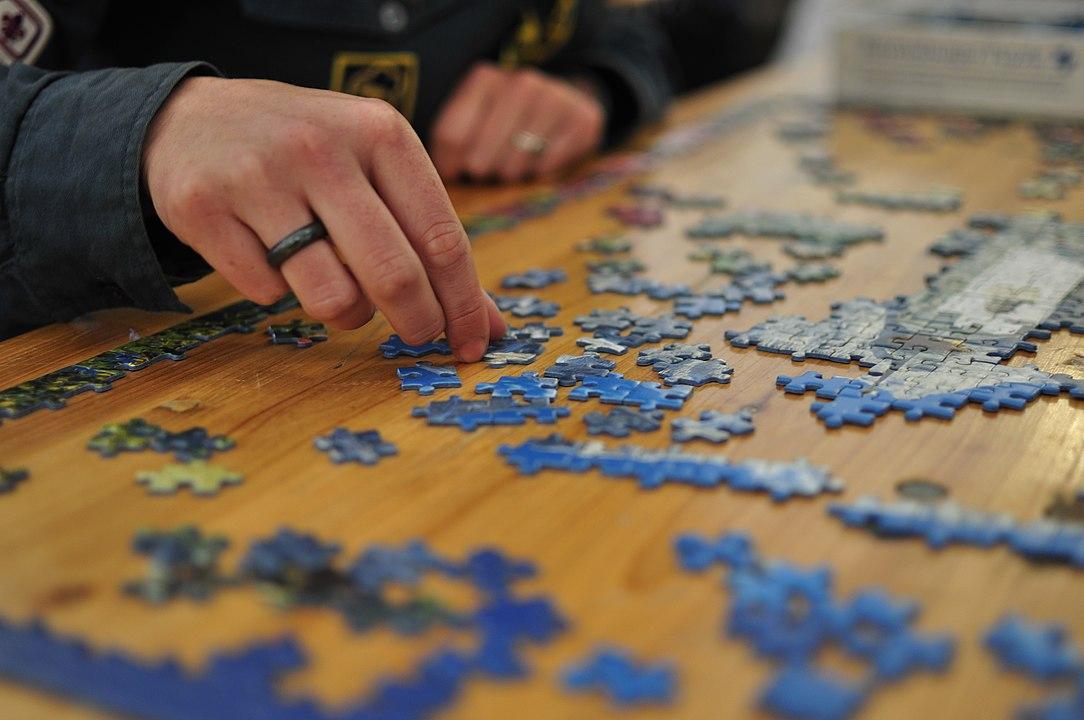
620, 49
75, 232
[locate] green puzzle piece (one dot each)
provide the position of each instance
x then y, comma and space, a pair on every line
201, 477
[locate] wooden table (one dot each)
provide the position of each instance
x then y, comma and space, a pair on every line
604, 547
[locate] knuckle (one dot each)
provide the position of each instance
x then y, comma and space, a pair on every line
444, 244
383, 120
309, 141
330, 301
251, 168
191, 197
528, 79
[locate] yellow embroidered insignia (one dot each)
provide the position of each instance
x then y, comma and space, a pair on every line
388, 76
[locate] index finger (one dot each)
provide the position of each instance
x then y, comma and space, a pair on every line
404, 177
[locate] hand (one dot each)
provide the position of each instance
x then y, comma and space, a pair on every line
233, 166
476, 132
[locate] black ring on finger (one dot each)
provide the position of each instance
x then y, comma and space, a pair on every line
295, 242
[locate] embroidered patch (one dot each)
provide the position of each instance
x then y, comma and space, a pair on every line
25, 27
392, 77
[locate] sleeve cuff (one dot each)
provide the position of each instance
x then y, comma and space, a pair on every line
74, 191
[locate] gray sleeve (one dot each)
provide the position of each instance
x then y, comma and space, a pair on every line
73, 232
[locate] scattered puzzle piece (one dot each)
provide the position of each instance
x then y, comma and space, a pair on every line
673, 353
183, 562
534, 278
606, 244
512, 351
526, 305
394, 347
529, 385
929, 201
365, 447
618, 319
200, 477
10, 479
571, 369
131, 436
712, 426
601, 345
298, 333
808, 272
470, 414
626, 681
620, 421
696, 372
426, 377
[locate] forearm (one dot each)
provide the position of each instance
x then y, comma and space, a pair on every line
74, 236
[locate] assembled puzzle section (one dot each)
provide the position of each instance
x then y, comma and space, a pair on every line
931, 353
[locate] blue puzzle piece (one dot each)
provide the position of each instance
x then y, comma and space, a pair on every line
654, 329
652, 396
697, 306
526, 305
713, 426
597, 319
571, 369
672, 354
696, 372
471, 414
426, 377
609, 388
696, 553
10, 479
826, 388
533, 278
620, 421
278, 556
1041, 651
939, 523
852, 406
529, 385
624, 680
511, 351
876, 628
801, 692
939, 405
535, 332
394, 347
1013, 395
378, 566
1049, 541
365, 447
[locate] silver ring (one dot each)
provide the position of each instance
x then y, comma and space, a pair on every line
530, 142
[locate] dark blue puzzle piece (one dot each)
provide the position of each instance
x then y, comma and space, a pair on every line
10, 479
379, 565
394, 347
529, 385
278, 556
426, 377
620, 421
534, 278
191, 444
365, 447
852, 406
673, 353
1012, 395
826, 388
571, 369
471, 414
624, 680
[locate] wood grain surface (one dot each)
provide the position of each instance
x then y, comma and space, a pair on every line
603, 546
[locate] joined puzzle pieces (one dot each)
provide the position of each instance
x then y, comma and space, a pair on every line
298, 333
471, 414
136, 435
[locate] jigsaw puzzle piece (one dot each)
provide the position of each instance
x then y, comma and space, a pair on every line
529, 385
426, 377
200, 477
365, 447
620, 421
394, 347
626, 681
713, 426
571, 369
534, 278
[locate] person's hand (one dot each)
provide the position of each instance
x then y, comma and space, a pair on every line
234, 166
514, 124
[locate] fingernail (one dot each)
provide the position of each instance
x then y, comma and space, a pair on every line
472, 350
